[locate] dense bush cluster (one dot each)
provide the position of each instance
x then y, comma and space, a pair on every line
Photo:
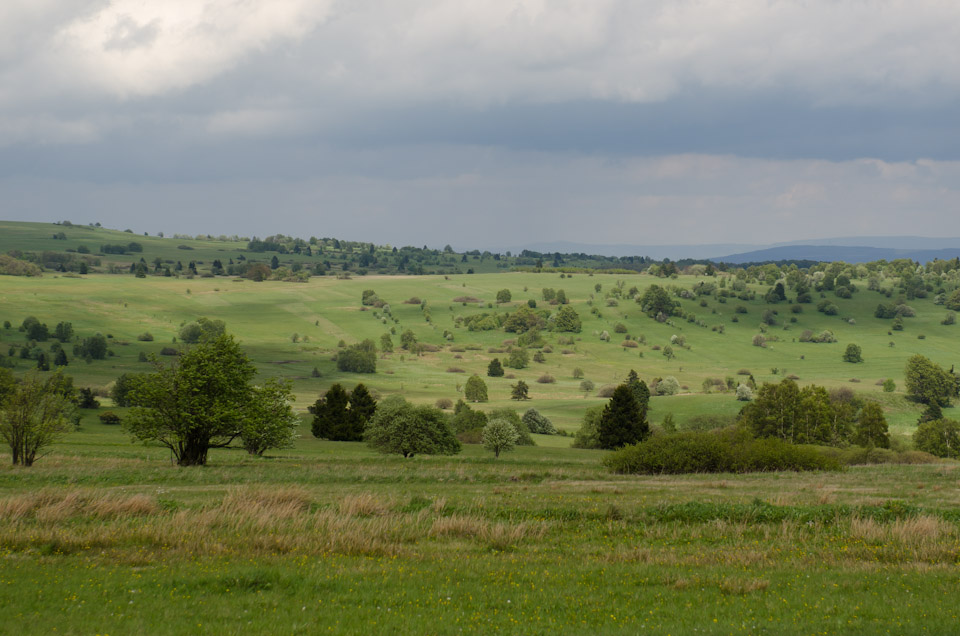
715, 452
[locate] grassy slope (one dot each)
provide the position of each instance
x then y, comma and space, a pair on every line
264, 316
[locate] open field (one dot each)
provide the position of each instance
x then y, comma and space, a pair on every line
105, 537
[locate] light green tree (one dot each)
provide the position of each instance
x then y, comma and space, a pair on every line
499, 436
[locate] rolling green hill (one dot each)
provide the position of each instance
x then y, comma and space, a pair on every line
291, 328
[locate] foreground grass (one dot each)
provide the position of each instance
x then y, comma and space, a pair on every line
105, 537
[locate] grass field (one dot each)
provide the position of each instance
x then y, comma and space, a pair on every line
106, 536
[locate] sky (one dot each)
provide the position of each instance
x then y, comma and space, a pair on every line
484, 123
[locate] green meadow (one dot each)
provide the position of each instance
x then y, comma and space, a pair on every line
106, 536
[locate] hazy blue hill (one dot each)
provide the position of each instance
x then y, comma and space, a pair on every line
847, 253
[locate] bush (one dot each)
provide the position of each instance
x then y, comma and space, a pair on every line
606, 390
538, 423
744, 393
444, 403
668, 386
169, 351
546, 378
358, 358
110, 418
715, 452
146, 336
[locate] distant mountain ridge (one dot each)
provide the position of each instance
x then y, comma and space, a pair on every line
850, 249
828, 253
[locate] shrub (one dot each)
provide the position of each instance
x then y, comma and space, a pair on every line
629, 344
538, 423
853, 353
109, 418
715, 452
606, 390
444, 403
744, 393
759, 340
889, 386
358, 358
668, 386
168, 351
546, 378
146, 336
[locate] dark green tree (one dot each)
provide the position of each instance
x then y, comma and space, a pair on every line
331, 417
503, 296
620, 423
871, 429
495, 369
853, 353
655, 301
520, 391
63, 331
641, 392
60, 360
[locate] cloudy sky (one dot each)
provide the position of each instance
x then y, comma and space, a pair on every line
484, 123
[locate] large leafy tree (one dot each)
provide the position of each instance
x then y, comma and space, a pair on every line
928, 383
656, 300
621, 423
402, 428
34, 414
203, 401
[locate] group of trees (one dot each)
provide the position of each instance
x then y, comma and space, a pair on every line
813, 415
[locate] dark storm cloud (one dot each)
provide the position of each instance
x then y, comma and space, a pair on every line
700, 120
